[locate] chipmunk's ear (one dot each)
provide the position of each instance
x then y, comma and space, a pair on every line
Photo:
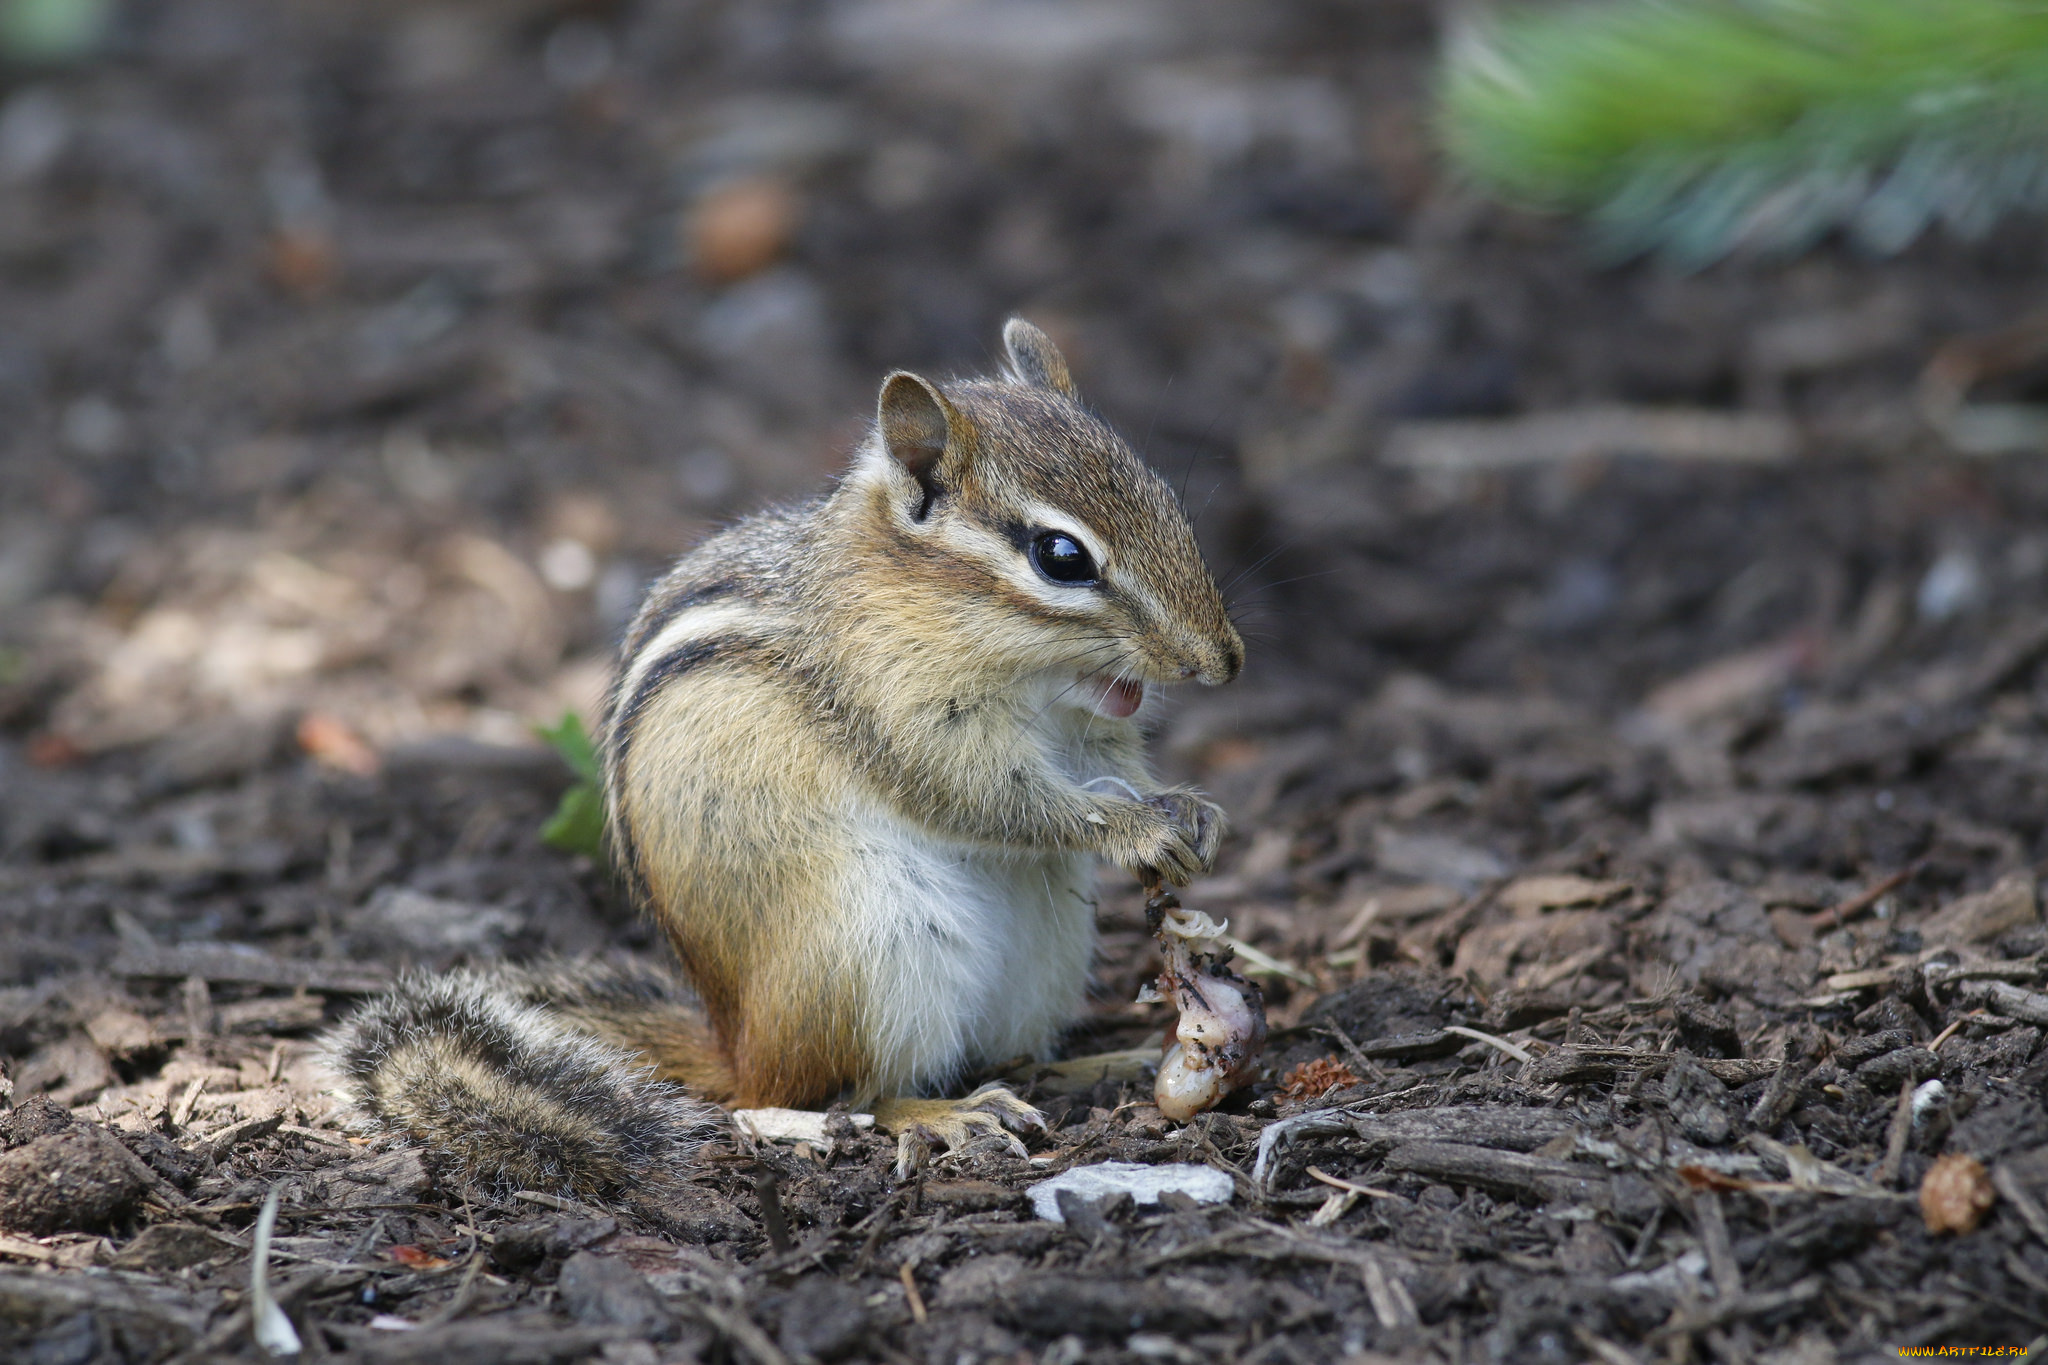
922, 431
1035, 359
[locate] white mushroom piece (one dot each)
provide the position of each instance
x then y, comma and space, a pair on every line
1222, 1027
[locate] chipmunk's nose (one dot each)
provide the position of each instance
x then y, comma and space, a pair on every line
1219, 667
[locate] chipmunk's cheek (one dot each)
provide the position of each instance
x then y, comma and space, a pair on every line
1119, 699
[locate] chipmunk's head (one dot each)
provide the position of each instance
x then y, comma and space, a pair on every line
1022, 521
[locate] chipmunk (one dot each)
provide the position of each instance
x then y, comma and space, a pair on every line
860, 757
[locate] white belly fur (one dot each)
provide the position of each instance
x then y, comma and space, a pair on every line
974, 955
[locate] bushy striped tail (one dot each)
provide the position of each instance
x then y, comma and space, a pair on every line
508, 1078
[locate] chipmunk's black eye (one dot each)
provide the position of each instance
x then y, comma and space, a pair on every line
1060, 557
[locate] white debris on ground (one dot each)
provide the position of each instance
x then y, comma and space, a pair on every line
1144, 1184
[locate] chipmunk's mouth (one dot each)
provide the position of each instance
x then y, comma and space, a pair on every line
1117, 698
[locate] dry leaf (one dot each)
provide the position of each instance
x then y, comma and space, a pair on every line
1956, 1194
268, 1324
1315, 1078
328, 740
52, 750
302, 263
741, 228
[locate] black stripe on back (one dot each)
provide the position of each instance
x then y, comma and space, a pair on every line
667, 669
624, 720
664, 612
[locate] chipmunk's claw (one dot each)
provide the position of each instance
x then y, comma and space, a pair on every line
921, 1125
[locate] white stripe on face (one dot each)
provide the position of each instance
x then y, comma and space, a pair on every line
1128, 586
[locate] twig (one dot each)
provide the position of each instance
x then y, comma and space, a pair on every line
741, 1330
1722, 1313
1895, 1140
1513, 1050
549, 1201
1286, 1130
1390, 1300
907, 1272
1841, 912
1261, 961
1954, 1027
1603, 1350
25, 1249
161, 1188
368, 1239
2022, 1201
464, 1292
1343, 1184
884, 1218
1713, 1221
1351, 1049
770, 1194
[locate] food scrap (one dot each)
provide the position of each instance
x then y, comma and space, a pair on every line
1222, 1015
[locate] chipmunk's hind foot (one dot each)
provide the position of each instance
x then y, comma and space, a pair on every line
920, 1125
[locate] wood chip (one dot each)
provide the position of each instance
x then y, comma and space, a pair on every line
24, 1250
1592, 432
1503, 1173
252, 968
181, 1112
1531, 895
792, 1125
1845, 982
247, 1130
2000, 997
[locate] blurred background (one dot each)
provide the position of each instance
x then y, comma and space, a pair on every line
361, 361
368, 358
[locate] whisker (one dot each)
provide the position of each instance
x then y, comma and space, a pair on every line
1298, 578
1158, 406
1258, 564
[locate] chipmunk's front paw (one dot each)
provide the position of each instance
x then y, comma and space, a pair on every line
1174, 834
921, 1124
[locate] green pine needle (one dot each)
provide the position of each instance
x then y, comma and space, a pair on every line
38, 31
1699, 127
577, 826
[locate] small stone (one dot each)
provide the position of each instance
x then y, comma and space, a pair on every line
25, 1123
171, 1246
822, 1319
603, 1291
73, 1181
526, 1248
